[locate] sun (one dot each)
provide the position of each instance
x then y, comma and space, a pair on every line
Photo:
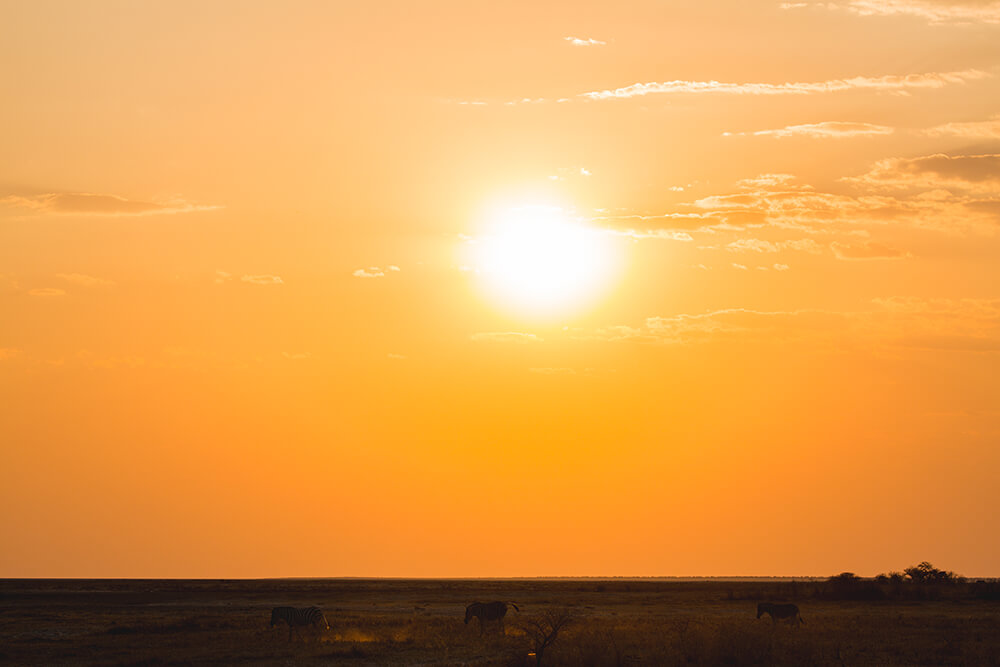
537, 259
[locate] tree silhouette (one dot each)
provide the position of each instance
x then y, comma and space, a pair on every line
544, 630
925, 573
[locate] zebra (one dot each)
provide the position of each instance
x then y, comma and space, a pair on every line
782, 611
488, 611
297, 618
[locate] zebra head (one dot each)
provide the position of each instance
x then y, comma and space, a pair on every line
761, 609
469, 614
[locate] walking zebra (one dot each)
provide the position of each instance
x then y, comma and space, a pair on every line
488, 611
782, 611
299, 618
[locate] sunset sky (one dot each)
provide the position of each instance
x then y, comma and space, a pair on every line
470, 288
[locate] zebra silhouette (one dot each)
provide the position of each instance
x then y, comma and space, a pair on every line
299, 618
488, 611
780, 611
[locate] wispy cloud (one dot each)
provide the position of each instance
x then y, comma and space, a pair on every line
375, 271
935, 11
584, 41
983, 129
90, 204
814, 212
825, 130
972, 173
971, 325
762, 246
505, 337
562, 173
665, 234
263, 279
902, 84
765, 181
898, 191
9, 353
866, 250
659, 225
46, 292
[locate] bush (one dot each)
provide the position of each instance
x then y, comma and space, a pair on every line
925, 573
849, 586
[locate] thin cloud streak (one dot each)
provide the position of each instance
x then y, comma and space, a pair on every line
901, 84
971, 325
90, 204
46, 292
866, 251
983, 129
824, 130
264, 279
934, 12
584, 41
971, 173
375, 271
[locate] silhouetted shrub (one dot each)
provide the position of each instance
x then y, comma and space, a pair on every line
925, 573
849, 586
985, 590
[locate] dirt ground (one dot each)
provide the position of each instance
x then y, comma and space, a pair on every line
420, 622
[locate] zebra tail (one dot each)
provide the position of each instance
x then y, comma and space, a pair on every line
514, 606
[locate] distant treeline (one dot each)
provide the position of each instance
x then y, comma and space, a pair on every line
919, 582
922, 582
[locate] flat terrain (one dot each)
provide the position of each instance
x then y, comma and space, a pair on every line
379, 622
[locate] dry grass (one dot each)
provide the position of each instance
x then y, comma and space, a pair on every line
420, 622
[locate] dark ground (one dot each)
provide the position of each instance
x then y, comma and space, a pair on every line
379, 622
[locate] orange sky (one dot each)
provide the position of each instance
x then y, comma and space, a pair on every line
257, 319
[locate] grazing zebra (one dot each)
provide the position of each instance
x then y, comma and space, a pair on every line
782, 611
299, 618
488, 611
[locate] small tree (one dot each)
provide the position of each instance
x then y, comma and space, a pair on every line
925, 573
544, 630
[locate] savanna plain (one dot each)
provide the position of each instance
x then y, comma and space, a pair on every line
558, 622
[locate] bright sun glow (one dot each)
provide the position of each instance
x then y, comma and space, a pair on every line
538, 259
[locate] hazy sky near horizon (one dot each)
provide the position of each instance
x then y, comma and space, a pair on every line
495, 289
